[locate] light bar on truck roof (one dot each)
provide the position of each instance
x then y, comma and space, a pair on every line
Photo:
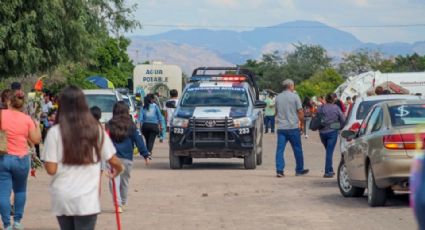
224, 77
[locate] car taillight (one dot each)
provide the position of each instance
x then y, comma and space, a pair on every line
355, 127
407, 141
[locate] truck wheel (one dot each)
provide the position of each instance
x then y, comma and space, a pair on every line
260, 153
375, 196
175, 161
188, 160
344, 182
250, 160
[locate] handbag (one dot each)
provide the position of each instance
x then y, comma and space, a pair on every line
317, 122
3, 137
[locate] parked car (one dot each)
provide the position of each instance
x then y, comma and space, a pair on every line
380, 154
105, 99
361, 108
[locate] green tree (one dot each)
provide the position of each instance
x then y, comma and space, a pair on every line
305, 61
37, 36
362, 61
409, 63
321, 83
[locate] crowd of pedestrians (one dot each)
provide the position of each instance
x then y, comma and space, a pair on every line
76, 169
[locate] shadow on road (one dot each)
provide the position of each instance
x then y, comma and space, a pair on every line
326, 183
195, 166
393, 202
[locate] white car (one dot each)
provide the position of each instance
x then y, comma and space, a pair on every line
127, 98
105, 99
361, 108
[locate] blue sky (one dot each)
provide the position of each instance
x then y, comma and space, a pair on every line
225, 14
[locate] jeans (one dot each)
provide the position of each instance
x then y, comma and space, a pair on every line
307, 121
77, 222
294, 137
269, 122
150, 131
122, 182
13, 176
329, 140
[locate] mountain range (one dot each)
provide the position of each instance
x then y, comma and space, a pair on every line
204, 47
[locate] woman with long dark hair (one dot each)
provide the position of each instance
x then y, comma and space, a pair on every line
72, 153
151, 121
124, 135
334, 120
15, 163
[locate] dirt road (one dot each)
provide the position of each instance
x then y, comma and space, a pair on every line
220, 194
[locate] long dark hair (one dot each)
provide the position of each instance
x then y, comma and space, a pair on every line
148, 100
307, 102
120, 124
79, 129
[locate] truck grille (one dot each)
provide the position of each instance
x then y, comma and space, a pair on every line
211, 123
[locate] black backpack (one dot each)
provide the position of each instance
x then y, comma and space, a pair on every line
317, 122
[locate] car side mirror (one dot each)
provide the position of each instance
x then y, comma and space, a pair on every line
348, 134
170, 104
260, 104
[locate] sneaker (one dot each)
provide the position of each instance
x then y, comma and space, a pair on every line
120, 209
302, 173
305, 136
280, 175
328, 175
9, 228
17, 226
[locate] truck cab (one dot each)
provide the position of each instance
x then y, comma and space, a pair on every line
218, 116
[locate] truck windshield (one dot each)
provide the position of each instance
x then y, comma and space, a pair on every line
215, 96
104, 102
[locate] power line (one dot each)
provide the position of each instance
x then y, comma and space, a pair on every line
283, 26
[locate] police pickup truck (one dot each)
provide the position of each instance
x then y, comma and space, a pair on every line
218, 116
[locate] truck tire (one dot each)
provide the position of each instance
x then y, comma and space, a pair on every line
250, 160
188, 160
176, 162
375, 196
260, 153
344, 183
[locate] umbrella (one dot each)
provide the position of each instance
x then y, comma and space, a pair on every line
101, 82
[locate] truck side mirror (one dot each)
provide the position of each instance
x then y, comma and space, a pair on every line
170, 104
260, 104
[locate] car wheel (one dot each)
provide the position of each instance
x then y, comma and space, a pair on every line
250, 160
260, 153
375, 196
188, 161
176, 162
344, 182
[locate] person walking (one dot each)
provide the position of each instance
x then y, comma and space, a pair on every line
334, 120
308, 109
15, 164
76, 167
417, 188
290, 117
124, 135
270, 113
174, 100
151, 121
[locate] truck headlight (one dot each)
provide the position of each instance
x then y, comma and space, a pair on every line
180, 122
242, 122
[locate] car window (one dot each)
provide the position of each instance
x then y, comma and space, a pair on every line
373, 119
410, 114
215, 96
364, 108
104, 102
366, 125
377, 125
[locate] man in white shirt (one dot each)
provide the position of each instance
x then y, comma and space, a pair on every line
170, 111
47, 105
